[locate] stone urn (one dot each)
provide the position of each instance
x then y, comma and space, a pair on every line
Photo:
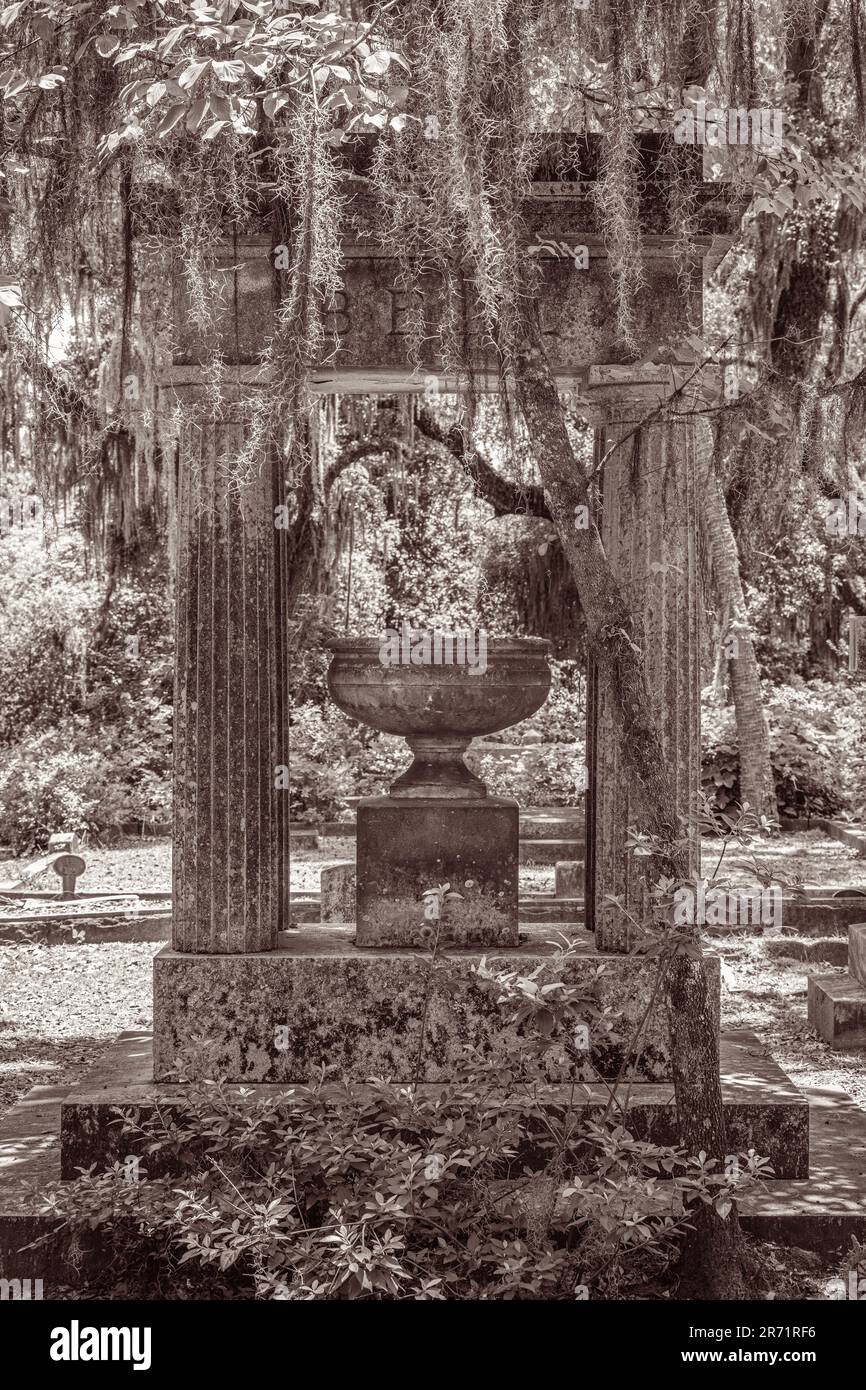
438, 834
439, 706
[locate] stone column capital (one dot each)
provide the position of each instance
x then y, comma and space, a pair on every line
615, 394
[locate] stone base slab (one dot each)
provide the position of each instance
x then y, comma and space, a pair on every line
825, 1213
822, 1213
837, 1009
763, 1109
319, 1001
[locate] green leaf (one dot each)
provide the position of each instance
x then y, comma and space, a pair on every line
173, 115
191, 75
377, 63
197, 113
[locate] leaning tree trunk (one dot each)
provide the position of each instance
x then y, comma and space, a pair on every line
756, 771
713, 1256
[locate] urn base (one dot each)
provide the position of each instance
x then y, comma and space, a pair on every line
406, 847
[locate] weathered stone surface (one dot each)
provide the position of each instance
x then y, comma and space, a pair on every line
763, 1110
147, 927
560, 823
338, 892
546, 907
837, 1009
819, 916
857, 951
569, 878
230, 862
827, 1211
538, 851
360, 1012
408, 847
832, 950
369, 339
649, 529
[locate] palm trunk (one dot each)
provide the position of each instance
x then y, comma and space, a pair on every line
756, 771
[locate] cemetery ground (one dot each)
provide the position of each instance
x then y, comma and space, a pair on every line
62, 1006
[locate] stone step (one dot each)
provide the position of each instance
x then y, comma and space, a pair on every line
813, 916
564, 824
837, 1010
544, 907
821, 1213
534, 825
763, 1108
829, 950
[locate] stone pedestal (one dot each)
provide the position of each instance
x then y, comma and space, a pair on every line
569, 881
837, 1003
649, 528
406, 847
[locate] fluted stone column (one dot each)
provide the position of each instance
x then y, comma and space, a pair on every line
230, 869
649, 528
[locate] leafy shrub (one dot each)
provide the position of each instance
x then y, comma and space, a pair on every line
545, 775
817, 748
47, 607
562, 717
59, 778
323, 746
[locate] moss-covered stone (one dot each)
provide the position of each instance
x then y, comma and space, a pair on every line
320, 1002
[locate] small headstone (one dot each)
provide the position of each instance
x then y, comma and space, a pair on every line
568, 876
338, 892
64, 840
69, 867
857, 951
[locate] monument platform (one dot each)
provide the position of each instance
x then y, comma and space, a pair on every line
280, 1016
837, 1003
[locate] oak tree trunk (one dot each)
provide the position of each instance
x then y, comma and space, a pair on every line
713, 1255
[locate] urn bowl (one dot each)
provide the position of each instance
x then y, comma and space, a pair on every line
439, 705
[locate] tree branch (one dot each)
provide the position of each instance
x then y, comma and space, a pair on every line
506, 498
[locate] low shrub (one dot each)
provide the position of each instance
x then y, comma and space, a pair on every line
817, 748
58, 778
